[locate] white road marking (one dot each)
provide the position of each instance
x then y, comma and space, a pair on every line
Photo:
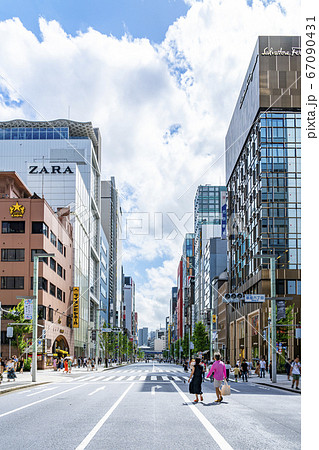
40, 392
109, 378
153, 378
165, 378
96, 390
233, 389
142, 378
176, 378
131, 378
40, 401
154, 389
218, 438
93, 432
120, 378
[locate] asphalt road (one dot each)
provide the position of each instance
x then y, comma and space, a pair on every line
147, 406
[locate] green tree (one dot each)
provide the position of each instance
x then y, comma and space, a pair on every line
200, 338
185, 345
19, 339
283, 334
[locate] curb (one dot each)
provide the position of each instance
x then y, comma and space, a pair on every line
24, 386
281, 387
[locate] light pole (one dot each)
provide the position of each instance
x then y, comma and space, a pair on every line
35, 311
272, 259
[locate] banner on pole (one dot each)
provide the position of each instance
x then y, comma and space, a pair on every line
28, 309
76, 304
281, 309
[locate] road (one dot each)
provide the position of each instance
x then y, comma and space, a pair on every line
147, 406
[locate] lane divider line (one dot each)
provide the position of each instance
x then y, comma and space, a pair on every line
218, 438
40, 401
101, 422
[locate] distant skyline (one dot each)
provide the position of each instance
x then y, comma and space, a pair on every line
160, 79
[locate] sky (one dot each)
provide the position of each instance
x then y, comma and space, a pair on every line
160, 78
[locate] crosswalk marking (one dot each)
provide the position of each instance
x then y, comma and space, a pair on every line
154, 378
120, 378
109, 378
142, 378
176, 378
131, 378
165, 378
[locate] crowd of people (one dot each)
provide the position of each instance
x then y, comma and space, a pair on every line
218, 371
11, 366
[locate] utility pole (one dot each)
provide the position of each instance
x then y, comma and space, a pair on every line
35, 312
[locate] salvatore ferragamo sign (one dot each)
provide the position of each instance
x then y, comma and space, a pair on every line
295, 51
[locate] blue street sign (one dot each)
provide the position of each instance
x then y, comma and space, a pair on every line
254, 298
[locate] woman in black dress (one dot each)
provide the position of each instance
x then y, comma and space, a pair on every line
196, 376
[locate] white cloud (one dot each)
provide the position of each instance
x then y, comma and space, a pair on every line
163, 110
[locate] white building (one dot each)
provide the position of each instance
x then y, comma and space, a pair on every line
60, 160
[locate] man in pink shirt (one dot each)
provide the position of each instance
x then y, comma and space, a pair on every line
219, 370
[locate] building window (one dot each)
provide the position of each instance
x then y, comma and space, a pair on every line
50, 314
52, 289
53, 238
59, 294
59, 270
63, 297
52, 264
42, 312
42, 284
34, 252
13, 227
12, 282
291, 287
40, 228
60, 247
12, 254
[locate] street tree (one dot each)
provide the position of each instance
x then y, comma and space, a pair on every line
200, 338
20, 332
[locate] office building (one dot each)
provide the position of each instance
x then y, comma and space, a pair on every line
263, 178
129, 319
143, 337
30, 226
104, 280
208, 205
111, 215
60, 161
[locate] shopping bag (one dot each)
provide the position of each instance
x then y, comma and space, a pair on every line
225, 389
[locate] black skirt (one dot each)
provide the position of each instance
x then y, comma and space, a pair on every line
195, 386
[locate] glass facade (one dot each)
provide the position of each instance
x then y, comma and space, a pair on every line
34, 133
264, 199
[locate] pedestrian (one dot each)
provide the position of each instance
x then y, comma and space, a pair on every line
295, 371
228, 369
10, 370
204, 369
236, 372
66, 366
21, 364
196, 376
54, 364
287, 368
262, 364
244, 370
219, 370
257, 370
69, 365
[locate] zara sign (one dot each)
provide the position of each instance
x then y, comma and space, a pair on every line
49, 169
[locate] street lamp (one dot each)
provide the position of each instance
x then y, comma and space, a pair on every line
272, 259
35, 311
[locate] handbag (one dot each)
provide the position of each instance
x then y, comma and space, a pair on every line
225, 389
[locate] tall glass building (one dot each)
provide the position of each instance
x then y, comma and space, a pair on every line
60, 160
208, 204
263, 149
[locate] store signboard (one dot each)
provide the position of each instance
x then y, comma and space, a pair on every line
76, 307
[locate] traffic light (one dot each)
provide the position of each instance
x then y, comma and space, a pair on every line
214, 318
233, 298
93, 335
44, 334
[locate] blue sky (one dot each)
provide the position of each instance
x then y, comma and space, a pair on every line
139, 18
163, 104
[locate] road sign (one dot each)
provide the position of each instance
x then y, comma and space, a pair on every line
254, 298
9, 332
106, 330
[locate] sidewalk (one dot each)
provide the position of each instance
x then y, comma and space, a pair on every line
24, 380
282, 382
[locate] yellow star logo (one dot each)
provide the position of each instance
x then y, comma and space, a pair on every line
17, 210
